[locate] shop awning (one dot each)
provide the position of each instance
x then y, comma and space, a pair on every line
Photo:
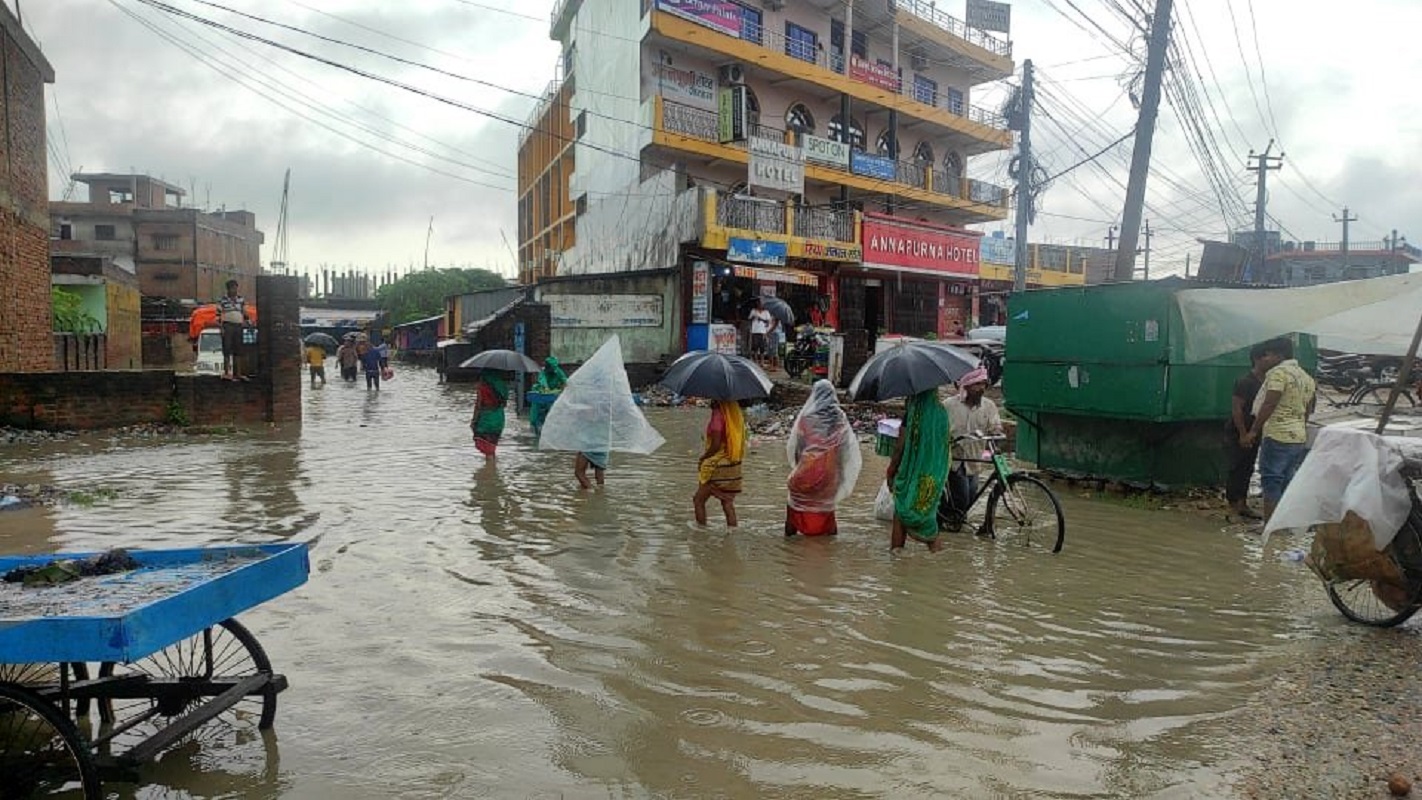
778, 275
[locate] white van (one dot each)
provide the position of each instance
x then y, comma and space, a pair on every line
209, 352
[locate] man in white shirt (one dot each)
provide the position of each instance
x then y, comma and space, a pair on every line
969, 414
760, 321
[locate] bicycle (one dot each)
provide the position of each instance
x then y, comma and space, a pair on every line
1020, 508
1385, 603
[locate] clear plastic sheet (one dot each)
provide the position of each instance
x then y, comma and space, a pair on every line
596, 412
823, 452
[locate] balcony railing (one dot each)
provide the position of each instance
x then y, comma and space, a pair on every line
927, 11
824, 223
777, 42
750, 213
697, 123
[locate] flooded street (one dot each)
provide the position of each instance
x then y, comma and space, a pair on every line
488, 631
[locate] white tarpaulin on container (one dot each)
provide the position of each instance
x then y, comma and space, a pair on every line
1376, 316
595, 412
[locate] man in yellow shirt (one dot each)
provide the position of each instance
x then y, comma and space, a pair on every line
316, 360
1281, 424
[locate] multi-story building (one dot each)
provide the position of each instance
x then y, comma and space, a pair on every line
140, 222
1290, 263
813, 149
26, 340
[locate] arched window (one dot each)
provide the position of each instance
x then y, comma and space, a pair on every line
887, 146
800, 120
923, 154
953, 165
752, 106
854, 138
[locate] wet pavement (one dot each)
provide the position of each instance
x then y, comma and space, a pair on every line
486, 630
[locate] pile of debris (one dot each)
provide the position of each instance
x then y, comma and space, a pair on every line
23, 436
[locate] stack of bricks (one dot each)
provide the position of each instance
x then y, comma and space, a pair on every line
25, 343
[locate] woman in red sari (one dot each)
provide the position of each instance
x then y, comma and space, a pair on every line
825, 462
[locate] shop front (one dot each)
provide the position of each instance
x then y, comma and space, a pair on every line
917, 280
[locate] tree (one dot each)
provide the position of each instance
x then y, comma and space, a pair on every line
421, 294
69, 313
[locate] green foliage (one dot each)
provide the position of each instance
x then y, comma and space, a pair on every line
177, 415
421, 294
69, 313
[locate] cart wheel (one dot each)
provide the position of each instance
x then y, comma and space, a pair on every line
46, 675
41, 753
1025, 512
1374, 603
236, 653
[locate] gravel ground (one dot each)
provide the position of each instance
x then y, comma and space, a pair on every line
1338, 719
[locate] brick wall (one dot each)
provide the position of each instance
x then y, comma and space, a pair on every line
124, 348
25, 343
93, 400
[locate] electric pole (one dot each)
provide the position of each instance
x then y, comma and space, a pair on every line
1147, 233
1111, 238
1025, 167
1343, 246
1145, 133
1262, 164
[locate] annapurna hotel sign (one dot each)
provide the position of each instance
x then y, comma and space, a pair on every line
895, 244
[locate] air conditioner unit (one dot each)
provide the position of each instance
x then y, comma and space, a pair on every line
918, 61
731, 74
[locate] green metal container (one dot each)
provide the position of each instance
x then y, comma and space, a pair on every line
1097, 375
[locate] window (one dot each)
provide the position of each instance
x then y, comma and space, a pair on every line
104, 233
581, 124
752, 107
925, 90
66, 231
923, 154
165, 241
800, 120
801, 43
887, 145
837, 46
955, 101
859, 45
855, 135
582, 206
752, 29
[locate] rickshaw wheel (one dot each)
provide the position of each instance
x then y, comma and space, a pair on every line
236, 654
46, 675
1379, 605
41, 752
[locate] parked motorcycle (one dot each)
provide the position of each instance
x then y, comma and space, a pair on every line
804, 351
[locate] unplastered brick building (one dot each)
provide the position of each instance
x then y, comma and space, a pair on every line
26, 318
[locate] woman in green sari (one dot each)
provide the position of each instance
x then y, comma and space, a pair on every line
551, 379
491, 395
918, 471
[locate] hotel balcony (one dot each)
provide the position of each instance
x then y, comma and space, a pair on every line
692, 130
813, 71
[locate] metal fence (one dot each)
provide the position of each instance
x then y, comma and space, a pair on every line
750, 214
824, 223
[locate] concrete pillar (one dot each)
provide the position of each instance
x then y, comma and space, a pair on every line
279, 346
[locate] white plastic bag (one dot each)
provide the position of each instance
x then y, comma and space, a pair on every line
884, 503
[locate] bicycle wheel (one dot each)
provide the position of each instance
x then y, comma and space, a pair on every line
1362, 601
41, 753
234, 654
1025, 512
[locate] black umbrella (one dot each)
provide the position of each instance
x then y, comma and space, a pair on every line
324, 340
909, 369
779, 309
716, 376
504, 360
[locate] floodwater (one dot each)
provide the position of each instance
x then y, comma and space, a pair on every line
477, 630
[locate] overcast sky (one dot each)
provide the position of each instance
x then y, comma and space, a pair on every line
371, 164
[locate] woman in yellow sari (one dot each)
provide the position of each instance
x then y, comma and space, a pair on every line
719, 470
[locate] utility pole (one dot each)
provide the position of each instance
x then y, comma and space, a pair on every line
1262, 164
1025, 167
1111, 238
1145, 134
1147, 233
1343, 246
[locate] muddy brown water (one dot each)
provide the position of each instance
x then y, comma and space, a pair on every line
477, 630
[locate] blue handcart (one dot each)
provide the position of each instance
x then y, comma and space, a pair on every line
103, 674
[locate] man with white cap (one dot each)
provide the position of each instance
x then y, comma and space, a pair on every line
969, 414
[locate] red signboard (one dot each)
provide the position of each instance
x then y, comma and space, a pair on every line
873, 73
895, 243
